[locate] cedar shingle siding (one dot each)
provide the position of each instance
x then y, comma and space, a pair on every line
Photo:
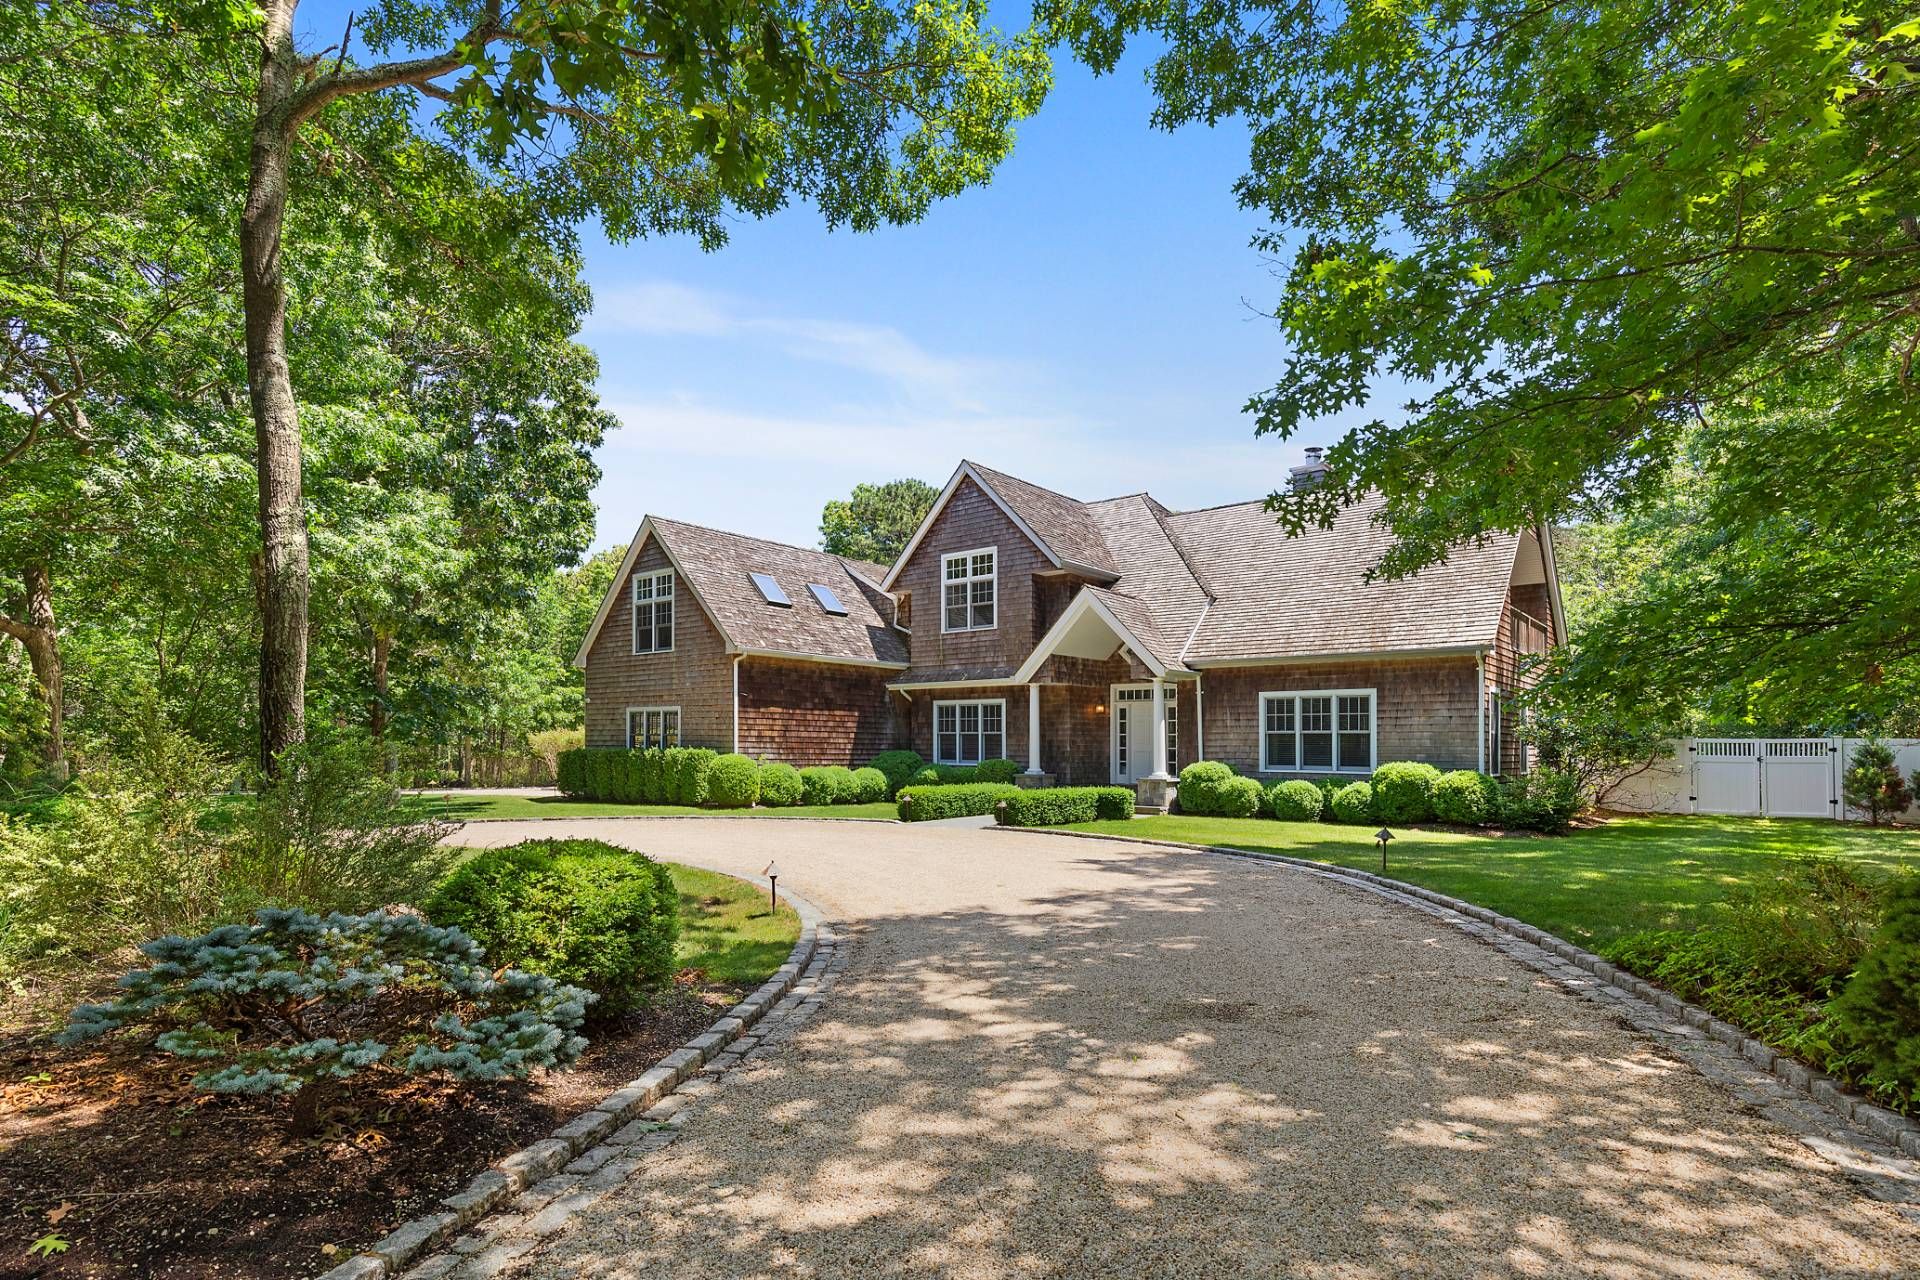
1220, 594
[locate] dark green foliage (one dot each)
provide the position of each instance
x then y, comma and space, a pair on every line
1873, 785
780, 785
733, 782
686, 768
1879, 1011
869, 786
1055, 806
1544, 800
1773, 958
1466, 798
650, 775
953, 800
877, 521
1237, 798
899, 767
996, 771
1200, 787
579, 911
1353, 803
1403, 791
572, 778
1328, 786
1295, 801
294, 1002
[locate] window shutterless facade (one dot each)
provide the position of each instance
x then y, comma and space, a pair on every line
969, 732
653, 726
1322, 731
970, 590
653, 612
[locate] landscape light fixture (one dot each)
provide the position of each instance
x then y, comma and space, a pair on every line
1383, 835
772, 873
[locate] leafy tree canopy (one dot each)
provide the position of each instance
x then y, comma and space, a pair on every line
877, 521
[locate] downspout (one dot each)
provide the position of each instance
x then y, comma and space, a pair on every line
1480, 705
1199, 717
736, 702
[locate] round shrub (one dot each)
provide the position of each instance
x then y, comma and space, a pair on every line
780, 786
869, 785
578, 911
816, 785
1295, 801
1465, 797
733, 782
1403, 791
899, 768
1879, 1011
1200, 784
1353, 803
1237, 798
996, 771
927, 777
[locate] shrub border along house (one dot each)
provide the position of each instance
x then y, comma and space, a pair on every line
956, 800
1581, 970
596, 1136
1056, 806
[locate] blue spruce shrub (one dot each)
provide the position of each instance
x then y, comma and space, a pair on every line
780, 786
294, 1003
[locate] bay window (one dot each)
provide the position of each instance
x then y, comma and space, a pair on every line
1328, 731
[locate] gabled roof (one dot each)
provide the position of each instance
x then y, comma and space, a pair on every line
1059, 526
1105, 620
715, 566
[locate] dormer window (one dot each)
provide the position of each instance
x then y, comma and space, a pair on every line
653, 612
971, 590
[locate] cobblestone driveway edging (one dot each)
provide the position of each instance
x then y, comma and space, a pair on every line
1880, 1147
533, 1193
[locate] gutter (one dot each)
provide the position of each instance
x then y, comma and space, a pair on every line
736, 701
1480, 706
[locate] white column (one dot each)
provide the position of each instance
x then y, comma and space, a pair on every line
1033, 729
1159, 730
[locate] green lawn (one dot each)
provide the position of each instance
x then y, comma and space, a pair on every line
1589, 887
454, 805
726, 928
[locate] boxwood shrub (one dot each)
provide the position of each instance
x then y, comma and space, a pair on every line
1237, 798
1353, 803
1403, 791
579, 911
733, 782
688, 767
1295, 801
1200, 786
956, 800
1002, 770
869, 786
780, 786
899, 768
1052, 806
817, 785
1466, 797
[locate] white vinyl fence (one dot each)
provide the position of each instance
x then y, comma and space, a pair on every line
1761, 777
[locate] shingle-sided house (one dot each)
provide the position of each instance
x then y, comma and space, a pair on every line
1020, 622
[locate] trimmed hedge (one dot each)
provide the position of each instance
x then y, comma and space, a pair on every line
780, 786
1466, 797
1353, 803
899, 768
647, 775
958, 800
1200, 784
826, 784
578, 911
1052, 806
733, 782
1294, 801
1403, 791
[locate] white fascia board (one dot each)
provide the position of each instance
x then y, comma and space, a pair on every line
1544, 534
1083, 602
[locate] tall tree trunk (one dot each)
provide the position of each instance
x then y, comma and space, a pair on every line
35, 630
283, 584
377, 705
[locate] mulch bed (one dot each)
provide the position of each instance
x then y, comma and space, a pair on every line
113, 1150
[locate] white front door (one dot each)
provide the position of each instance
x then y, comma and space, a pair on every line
1133, 732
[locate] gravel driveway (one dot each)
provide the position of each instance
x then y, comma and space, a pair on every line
1057, 1057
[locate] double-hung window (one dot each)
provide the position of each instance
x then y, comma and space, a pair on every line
970, 590
969, 732
653, 726
653, 612
1317, 732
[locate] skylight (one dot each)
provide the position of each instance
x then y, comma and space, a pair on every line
828, 601
770, 590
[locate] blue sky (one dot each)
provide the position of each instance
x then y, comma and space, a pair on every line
1087, 321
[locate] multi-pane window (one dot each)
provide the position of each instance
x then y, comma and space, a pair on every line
970, 590
653, 726
1317, 732
969, 732
653, 612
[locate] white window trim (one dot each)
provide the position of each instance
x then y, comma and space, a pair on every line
679, 721
1373, 729
933, 752
633, 607
945, 581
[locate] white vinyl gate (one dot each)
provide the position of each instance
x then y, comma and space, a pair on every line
1774, 777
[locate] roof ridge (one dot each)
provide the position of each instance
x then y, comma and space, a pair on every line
1220, 506
980, 466
750, 537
